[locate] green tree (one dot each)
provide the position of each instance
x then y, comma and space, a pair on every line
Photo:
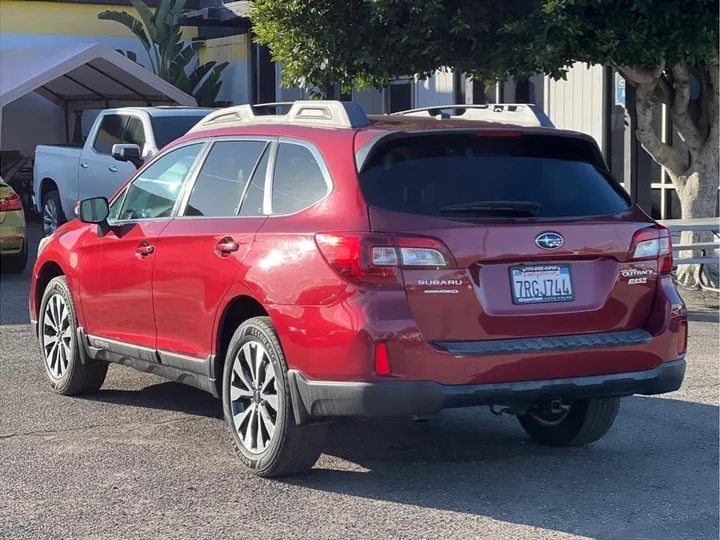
658, 45
170, 56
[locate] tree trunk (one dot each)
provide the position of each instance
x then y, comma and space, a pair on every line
695, 178
699, 199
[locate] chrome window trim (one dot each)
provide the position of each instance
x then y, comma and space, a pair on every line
139, 173
192, 180
330, 187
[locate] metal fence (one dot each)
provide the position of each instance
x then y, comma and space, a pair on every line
708, 250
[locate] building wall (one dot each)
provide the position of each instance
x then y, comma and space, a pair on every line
236, 77
578, 102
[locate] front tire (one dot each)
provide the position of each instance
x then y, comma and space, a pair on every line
52, 214
584, 422
57, 332
257, 405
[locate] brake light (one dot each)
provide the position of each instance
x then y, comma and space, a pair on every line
10, 203
653, 243
496, 133
375, 259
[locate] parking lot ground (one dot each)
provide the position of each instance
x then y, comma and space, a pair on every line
145, 458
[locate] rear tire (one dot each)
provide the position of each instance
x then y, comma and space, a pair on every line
15, 263
257, 405
59, 346
587, 421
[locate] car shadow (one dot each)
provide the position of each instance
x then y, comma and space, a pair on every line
169, 396
657, 466
654, 474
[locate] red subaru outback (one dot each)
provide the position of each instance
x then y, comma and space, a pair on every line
322, 264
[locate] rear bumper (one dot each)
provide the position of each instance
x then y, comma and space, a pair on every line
316, 399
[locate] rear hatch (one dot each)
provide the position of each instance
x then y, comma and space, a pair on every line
538, 235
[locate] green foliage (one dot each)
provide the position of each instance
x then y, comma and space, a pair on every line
170, 56
371, 41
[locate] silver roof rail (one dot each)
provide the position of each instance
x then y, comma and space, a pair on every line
340, 114
507, 113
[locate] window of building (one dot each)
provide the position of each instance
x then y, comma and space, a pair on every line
399, 95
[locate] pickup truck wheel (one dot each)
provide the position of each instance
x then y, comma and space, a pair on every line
15, 263
52, 215
577, 423
257, 405
57, 329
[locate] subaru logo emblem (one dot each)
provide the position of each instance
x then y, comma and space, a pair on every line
549, 240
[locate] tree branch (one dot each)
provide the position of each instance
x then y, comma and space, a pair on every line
664, 154
714, 96
679, 109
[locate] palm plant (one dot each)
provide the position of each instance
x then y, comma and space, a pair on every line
169, 54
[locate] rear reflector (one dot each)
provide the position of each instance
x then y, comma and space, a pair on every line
382, 360
653, 243
682, 338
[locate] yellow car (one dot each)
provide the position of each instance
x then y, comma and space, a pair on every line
13, 238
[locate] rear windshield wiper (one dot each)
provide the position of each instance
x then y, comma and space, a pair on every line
502, 207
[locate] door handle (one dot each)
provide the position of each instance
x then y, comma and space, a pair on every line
226, 246
112, 169
144, 250
84, 165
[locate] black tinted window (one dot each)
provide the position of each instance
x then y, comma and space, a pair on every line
135, 133
556, 175
223, 177
109, 133
298, 181
252, 205
169, 128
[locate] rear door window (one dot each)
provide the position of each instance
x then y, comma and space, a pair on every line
109, 133
472, 175
223, 178
298, 181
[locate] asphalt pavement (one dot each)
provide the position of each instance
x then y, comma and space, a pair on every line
145, 458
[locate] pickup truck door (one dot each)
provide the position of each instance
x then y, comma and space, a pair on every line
99, 174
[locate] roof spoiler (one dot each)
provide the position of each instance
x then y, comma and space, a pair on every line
520, 114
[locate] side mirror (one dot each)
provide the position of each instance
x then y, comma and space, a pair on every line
127, 152
95, 210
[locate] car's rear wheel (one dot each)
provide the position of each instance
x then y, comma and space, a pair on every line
258, 408
52, 215
16, 262
571, 422
57, 331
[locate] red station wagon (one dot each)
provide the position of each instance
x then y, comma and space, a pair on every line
323, 264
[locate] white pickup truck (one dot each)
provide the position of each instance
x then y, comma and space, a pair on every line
119, 140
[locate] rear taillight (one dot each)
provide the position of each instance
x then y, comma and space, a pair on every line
653, 243
10, 203
382, 360
375, 259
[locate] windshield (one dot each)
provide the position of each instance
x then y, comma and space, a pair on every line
169, 128
524, 175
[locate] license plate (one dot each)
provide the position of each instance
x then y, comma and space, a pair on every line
541, 284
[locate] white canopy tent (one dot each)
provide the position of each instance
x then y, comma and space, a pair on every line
82, 76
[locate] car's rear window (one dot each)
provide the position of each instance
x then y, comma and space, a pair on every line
558, 177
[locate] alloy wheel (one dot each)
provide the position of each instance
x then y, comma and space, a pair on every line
57, 336
254, 397
50, 216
